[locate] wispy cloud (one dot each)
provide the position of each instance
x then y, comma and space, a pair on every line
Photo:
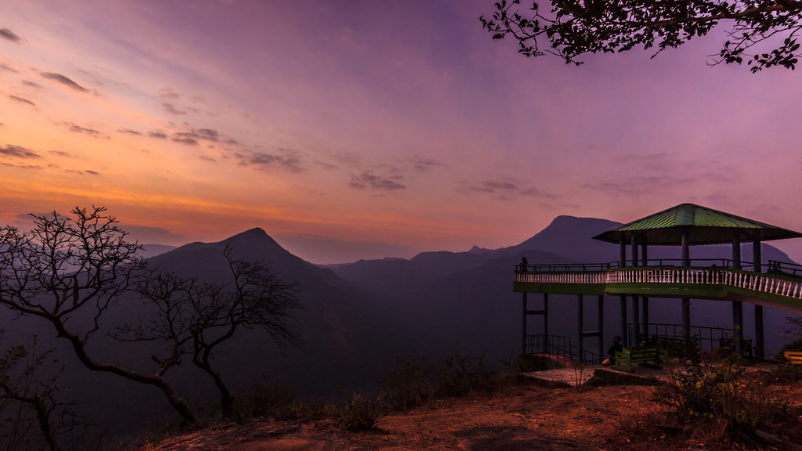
421, 164
187, 141
129, 131
8, 34
170, 108
507, 189
60, 153
84, 172
7, 68
18, 152
21, 100
66, 81
286, 160
88, 131
31, 84
377, 182
158, 134
167, 93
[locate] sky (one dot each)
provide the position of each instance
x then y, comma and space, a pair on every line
360, 129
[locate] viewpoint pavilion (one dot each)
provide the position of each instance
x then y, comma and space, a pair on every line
637, 278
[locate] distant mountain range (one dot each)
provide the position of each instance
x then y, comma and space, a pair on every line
357, 318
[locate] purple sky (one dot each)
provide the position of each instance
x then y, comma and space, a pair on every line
390, 127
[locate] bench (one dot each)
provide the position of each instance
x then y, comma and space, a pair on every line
648, 355
793, 357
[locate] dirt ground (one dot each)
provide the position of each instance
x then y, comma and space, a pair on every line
520, 417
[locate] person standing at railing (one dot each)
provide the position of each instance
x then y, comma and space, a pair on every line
523, 264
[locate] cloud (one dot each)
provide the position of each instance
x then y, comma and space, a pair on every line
154, 235
290, 161
368, 179
326, 166
506, 188
421, 164
64, 80
187, 141
158, 134
22, 166
60, 153
129, 131
492, 187
74, 171
168, 107
8, 34
206, 134
18, 152
21, 100
167, 93
89, 131
8, 68
31, 84
207, 158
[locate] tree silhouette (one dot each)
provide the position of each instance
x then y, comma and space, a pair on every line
573, 28
196, 317
68, 273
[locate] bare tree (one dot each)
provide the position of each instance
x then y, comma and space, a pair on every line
69, 272
195, 318
32, 398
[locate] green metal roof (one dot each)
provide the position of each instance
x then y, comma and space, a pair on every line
705, 225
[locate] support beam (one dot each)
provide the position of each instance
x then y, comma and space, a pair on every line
686, 303
600, 326
523, 326
623, 332
546, 316
581, 327
622, 243
737, 306
636, 321
645, 302
757, 258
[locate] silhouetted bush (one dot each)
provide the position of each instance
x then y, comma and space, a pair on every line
415, 382
360, 412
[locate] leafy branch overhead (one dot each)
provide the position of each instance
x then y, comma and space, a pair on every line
762, 33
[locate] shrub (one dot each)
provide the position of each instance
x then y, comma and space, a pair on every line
415, 382
268, 400
360, 412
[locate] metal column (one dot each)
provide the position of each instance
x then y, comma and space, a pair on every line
622, 243
737, 306
645, 303
635, 300
759, 336
686, 303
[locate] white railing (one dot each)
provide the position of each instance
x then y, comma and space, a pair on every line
765, 283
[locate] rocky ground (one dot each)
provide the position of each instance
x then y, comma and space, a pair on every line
524, 416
